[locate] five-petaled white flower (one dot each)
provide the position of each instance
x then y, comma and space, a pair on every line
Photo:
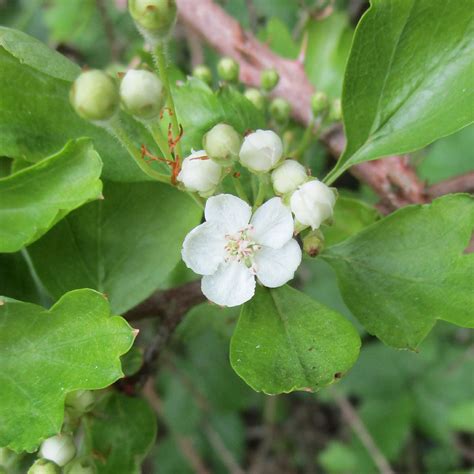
232, 248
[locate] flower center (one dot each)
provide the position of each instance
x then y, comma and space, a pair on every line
241, 247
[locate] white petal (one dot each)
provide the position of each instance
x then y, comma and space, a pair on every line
204, 248
232, 285
275, 267
273, 224
230, 212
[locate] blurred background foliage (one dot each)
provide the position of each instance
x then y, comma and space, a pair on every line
418, 407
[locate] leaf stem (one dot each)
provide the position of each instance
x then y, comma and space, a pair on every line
160, 140
309, 135
159, 54
240, 189
262, 191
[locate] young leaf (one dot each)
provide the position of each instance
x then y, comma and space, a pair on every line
77, 344
404, 272
36, 117
286, 341
121, 434
124, 246
408, 80
34, 199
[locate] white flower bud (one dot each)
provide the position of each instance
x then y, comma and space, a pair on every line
261, 151
222, 143
60, 449
142, 94
43, 466
288, 176
94, 96
200, 174
313, 203
80, 401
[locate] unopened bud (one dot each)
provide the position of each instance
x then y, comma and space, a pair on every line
228, 70
154, 18
43, 466
288, 176
60, 449
313, 243
142, 94
204, 73
79, 466
319, 103
269, 79
280, 110
94, 96
256, 97
261, 151
80, 401
222, 144
335, 111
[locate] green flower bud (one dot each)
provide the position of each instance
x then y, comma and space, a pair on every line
313, 243
94, 96
319, 103
280, 110
154, 18
222, 144
204, 73
80, 466
228, 70
256, 97
335, 111
269, 79
80, 401
142, 94
43, 466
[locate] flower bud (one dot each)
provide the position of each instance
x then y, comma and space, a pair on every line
43, 466
319, 103
312, 203
228, 70
80, 401
204, 73
288, 176
142, 94
256, 97
80, 466
200, 174
94, 96
280, 110
60, 449
261, 151
154, 18
313, 243
269, 79
335, 111
222, 144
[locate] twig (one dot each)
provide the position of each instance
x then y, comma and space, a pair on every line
359, 428
185, 445
392, 178
458, 184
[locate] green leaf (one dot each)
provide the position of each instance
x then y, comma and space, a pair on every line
404, 272
350, 217
77, 343
199, 109
34, 199
124, 246
36, 117
121, 433
408, 80
286, 341
329, 42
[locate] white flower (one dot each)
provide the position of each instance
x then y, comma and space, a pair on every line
288, 176
313, 203
200, 174
60, 449
232, 248
261, 151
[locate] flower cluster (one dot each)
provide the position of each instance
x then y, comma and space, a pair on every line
233, 249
